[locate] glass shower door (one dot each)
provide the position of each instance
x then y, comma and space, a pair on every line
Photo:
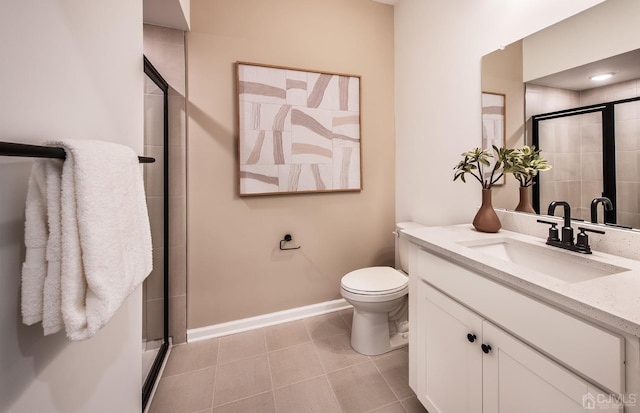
573, 145
155, 328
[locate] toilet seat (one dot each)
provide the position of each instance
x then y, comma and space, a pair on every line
375, 281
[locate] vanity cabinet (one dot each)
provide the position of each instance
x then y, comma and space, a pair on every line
478, 346
474, 366
519, 379
449, 339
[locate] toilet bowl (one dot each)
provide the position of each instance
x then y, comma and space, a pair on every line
380, 306
375, 293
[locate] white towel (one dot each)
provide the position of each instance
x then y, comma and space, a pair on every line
34, 268
41, 268
51, 311
105, 233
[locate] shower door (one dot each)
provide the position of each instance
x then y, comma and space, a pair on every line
573, 145
595, 152
155, 325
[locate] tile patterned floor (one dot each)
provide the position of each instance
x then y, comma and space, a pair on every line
302, 366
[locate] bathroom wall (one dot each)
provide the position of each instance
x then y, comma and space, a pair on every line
165, 49
69, 70
438, 49
235, 268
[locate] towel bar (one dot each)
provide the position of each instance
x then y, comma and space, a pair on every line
36, 151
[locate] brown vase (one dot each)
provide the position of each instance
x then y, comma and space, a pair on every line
486, 220
525, 201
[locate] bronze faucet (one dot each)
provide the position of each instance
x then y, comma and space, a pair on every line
567, 231
566, 242
606, 203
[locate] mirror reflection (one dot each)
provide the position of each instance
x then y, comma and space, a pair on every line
596, 153
588, 130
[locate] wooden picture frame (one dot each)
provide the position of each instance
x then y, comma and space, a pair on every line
299, 131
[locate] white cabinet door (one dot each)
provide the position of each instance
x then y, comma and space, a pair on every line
450, 372
519, 379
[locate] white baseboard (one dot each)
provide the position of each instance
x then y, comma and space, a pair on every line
265, 320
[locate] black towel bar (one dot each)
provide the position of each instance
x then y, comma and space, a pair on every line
36, 151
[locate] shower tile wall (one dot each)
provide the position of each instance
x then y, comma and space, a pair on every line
561, 144
627, 128
627, 161
166, 51
565, 153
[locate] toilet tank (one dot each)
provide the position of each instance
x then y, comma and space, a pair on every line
402, 245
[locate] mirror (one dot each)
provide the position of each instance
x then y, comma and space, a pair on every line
549, 72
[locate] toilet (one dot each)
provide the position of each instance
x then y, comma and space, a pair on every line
380, 305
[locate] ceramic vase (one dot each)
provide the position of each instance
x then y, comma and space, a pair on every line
486, 220
525, 201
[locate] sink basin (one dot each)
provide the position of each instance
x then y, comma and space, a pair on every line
567, 266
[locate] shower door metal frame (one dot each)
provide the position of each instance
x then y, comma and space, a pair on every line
154, 372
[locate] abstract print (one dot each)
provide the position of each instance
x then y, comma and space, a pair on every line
299, 131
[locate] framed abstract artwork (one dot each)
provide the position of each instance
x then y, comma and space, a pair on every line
493, 124
299, 131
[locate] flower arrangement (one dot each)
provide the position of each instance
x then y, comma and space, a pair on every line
526, 163
477, 162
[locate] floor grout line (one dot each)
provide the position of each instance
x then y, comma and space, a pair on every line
187, 372
215, 375
324, 370
241, 399
383, 377
213, 392
273, 391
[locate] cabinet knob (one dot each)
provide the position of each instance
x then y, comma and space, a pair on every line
471, 337
486, 348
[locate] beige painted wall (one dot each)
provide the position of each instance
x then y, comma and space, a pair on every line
235, 268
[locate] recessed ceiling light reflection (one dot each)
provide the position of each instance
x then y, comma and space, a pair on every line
601, 77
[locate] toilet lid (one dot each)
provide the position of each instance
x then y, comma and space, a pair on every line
375, 280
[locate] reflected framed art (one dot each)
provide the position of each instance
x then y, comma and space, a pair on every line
493, 124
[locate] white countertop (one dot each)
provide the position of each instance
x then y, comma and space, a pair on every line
612, 301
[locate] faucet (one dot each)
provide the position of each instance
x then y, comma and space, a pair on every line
566, 242
567, 231
606, 202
